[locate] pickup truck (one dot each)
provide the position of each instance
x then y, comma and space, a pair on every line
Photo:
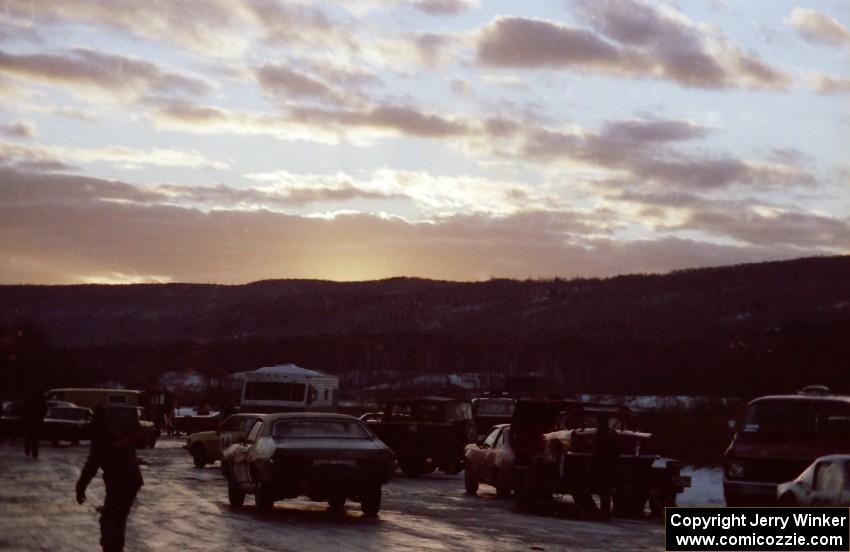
426, 433
555, 454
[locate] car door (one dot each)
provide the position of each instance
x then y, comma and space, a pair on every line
488, 468
239, 456
228, 433
476, 454
503, 456
829, 482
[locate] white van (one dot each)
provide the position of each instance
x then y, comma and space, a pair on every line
93, 397
289, 388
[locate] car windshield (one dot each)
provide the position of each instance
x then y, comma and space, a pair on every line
790, 416
497, 407
300, 429
68, 414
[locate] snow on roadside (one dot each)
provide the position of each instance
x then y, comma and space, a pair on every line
706, 487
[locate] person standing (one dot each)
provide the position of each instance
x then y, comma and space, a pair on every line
33, 421
112, 451
606, 451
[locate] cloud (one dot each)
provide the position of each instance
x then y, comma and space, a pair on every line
818, 28
642, 41
61, 229
19, 129
84, 70
444, 7
642, 150
827, 84
61, 157
281, 81
775, 227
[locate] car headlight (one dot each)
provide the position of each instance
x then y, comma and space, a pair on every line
735, 469
264, 448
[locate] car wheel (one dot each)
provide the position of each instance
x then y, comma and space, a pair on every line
199, 456
470, 482
263, 498
788, 499
370, 501
235, 495
657, 503
337, 503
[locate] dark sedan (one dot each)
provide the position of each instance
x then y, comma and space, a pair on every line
326, 457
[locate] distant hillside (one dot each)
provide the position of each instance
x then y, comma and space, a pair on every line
732, 328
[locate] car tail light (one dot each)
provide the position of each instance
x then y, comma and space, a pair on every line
735, 469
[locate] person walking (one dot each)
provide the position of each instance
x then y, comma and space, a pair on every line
112, 451
33, 421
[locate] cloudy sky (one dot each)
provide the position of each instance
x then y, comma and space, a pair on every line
236, 140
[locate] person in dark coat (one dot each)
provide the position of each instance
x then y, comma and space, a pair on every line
32, 420
112, 450
606, 450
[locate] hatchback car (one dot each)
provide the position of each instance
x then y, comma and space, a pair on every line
490, 461
326, 457
826, 482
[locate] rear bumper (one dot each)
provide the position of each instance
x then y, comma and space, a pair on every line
749, 493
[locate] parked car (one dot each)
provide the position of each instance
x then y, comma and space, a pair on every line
10, 420
66, 422
777, 437
557, 456
326, 457
205, 447
426, 433
826, 482
490, 461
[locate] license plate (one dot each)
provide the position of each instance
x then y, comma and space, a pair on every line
335, 462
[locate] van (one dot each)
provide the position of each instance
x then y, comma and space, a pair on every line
777, 437
288, 388
92, 398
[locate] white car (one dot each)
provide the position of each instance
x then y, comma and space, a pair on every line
826, 482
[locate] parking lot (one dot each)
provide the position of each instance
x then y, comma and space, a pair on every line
185, 508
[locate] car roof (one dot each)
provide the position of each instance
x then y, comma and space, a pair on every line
307, 416
803, 397
425, 399
834, 457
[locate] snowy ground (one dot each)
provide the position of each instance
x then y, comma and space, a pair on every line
184, 508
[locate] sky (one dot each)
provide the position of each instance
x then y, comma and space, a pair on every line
229, 141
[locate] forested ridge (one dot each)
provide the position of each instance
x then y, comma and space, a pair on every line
726, 331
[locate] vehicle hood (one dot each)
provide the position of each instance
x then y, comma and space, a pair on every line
804, 449
202, 436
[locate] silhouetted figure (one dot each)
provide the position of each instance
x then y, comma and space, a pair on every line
606, 451
113, 433
32, 420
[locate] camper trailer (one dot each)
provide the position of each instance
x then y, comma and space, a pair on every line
288, 388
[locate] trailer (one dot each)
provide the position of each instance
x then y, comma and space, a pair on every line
288, 388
